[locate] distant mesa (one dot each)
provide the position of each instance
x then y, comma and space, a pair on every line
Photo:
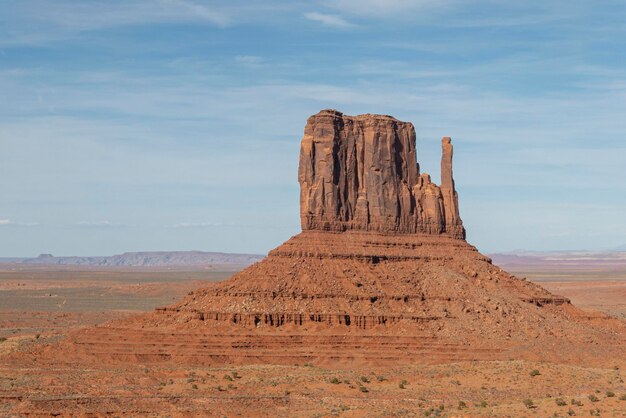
146, 259
380, 274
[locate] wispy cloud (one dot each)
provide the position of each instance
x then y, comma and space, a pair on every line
65, 18
9, 222
197, 225
329, 20
102, 224
387, 8
250, 61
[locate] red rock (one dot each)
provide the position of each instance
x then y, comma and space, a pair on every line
380, 275
361, 173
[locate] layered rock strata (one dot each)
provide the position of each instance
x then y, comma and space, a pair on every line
361, 173
380, 274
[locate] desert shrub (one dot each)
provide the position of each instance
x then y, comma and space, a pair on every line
528, 403
335, 381
610, 394
576, 402
571, 412
623, 397
593, 398
221, 389
456, 382
441, 407
236, 375
534, 372
364, 379
560, 402
594, 412
228, 377
231, 386
363, 389
3, 339
381, 378
194, 386
462, 405
403, 384
483, 404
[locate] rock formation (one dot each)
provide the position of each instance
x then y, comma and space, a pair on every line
361, 173
381, 274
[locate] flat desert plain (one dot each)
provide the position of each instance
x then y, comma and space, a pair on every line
39, 305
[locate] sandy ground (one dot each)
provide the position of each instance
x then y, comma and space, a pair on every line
40, 306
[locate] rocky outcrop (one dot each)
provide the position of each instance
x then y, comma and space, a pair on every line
361, 173
379, 276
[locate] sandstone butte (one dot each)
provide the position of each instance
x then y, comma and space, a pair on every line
381, 274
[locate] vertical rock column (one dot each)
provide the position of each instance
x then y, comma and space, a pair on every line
453, 223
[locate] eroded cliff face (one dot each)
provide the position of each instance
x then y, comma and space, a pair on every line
361, 173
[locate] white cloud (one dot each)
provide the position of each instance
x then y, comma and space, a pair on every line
250, 61
65, 18
329, 20
9, 222
383, 8
196, 225
102, 224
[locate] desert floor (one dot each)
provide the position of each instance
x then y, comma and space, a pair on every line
39, 305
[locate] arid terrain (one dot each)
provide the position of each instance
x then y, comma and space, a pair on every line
39, 305
379, 307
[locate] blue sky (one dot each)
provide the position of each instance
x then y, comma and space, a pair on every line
175, 124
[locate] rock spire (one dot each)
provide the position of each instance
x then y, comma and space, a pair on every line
361, 173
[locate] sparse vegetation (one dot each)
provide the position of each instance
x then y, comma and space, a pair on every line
462, 405
363, 389
610, 394
335, 381
560, 402
228, 377
576, 402
2, 339
194, 386
593, 398
623, 397
403, 384
571, 412
364, 379
534, 372
381, 378
483, 404
528, 403
456, 382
